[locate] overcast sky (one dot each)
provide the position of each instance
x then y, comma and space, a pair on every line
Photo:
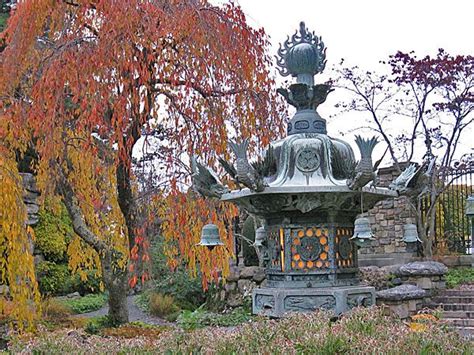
366, 31
363, 32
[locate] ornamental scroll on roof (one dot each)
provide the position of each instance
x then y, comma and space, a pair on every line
302, 56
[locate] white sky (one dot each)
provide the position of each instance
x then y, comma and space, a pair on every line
366, 31
363, 32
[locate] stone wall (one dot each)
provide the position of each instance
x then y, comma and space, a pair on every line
239, 285
416, 285
387, 219
30, 198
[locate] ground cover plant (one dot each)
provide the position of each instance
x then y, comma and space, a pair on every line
85, 304
460, 276
362, 331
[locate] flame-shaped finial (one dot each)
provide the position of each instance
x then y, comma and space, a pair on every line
302, 56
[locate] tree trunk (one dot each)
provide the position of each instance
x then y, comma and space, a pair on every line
116, 283
431, 220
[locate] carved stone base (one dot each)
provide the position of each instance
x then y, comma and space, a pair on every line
276, 302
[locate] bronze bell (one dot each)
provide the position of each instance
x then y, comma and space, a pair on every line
260, 236
410, 233
362, 232
210, 236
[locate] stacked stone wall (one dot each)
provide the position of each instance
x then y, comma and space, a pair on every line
387, 219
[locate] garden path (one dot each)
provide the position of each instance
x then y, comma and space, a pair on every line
135, 314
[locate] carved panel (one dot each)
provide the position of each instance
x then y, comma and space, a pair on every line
263, 302
307, 159
309, 303
359, 300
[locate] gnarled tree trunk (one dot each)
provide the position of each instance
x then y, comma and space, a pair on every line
116, 282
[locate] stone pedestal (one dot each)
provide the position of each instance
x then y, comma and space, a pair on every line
276, 302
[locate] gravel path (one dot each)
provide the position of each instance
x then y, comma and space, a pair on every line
134, 314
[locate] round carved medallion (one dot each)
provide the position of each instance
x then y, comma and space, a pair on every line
345, 248
309, 248
307, 160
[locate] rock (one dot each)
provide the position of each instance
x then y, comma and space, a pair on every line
249, 271
246, 287
235, 300
402, 310
73, 295
397, 281
425, 268
391, 269
233, 275
230, 286
371, 268
259, 275
29, 182
402, 292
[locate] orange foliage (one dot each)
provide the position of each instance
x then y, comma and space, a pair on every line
84, 80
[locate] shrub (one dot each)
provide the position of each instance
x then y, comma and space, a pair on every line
162, 305
87, 303
53, 233
53, 279
457, 277
57, 280
186, 290
200, 318
90, 285
97, 324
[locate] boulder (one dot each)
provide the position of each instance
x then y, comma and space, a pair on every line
400, 293
391, 269
233, 275
245, 287
248, 272
259, 275
424, 268
29, 182
235, 300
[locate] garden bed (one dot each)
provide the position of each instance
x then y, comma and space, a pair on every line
361, 331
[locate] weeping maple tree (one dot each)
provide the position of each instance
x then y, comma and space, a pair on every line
88, 81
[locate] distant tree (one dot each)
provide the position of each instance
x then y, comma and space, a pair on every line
421, 109
86, 81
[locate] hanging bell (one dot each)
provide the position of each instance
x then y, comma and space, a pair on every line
210, 236
362, 232
260, 237
470, 207
410, 233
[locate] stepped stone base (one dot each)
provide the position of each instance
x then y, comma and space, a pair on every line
277, 302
